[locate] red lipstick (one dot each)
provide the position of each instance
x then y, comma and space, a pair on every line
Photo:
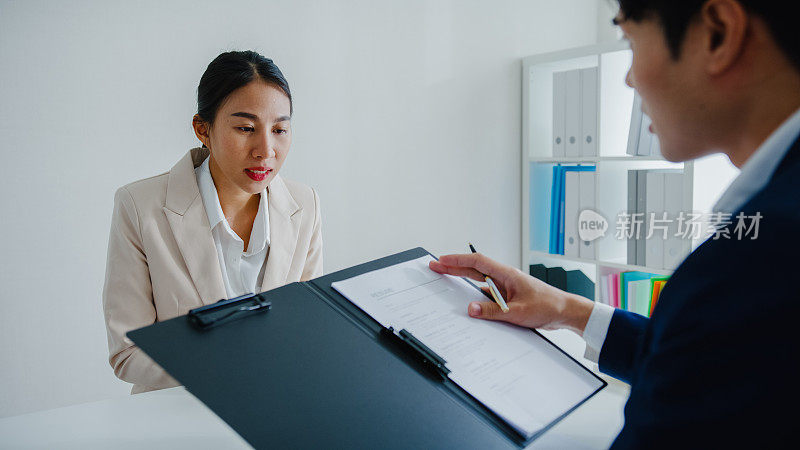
258, 173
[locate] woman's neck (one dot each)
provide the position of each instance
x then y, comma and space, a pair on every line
233, 200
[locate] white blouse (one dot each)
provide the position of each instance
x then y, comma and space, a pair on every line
242, 271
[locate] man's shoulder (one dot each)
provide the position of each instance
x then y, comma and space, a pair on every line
746, 262
782, 194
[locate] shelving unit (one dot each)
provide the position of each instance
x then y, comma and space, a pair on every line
595, 159
615, 101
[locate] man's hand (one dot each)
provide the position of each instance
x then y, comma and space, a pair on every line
531, 302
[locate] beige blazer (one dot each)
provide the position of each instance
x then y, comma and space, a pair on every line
162, 261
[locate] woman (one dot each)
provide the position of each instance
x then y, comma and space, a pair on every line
219, 224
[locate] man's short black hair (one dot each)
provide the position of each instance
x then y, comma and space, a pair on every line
676, 15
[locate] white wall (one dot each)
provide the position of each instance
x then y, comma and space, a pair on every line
407, 122
606, 30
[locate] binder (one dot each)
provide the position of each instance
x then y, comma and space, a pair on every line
645, 137
587, 187
555, 208
578, 283
636, 125
538, 271
540, 201
625, 280
605, 294
633, 182
573, 281
610, 289
557, 277
675, 248
313, 370
589, 111
572, 190
639, 297
572, 123
658, 285
559, 208
654, 244
641, 210
655, 145
559, 113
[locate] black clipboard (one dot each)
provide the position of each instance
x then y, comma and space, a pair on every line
303, 367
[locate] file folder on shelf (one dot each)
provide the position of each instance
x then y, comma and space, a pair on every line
654, 223
572, 114
572, 199
314, 371
636, 125
559, 113
587, 195
589, 111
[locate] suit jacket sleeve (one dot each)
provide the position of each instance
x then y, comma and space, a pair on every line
624, 336
716, 367
313, 266
128, 297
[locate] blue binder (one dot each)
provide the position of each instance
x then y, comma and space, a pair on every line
557, 206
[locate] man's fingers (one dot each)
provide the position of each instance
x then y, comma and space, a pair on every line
499, 288
479, 262
488, 311
468, 272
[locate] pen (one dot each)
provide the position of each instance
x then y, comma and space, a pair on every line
492, 287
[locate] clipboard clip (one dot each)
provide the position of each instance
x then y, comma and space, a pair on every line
226, 310
432, 360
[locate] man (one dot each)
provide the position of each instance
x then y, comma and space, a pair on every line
715, 366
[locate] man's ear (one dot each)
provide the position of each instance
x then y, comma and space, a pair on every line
724, 24
201, 129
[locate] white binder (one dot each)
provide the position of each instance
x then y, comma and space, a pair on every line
654, 245
587, 188
559, 92
641, 208
633, 206
645, 137
589, 111
655, 145
675, 248
572, 124
636, 125
571, 211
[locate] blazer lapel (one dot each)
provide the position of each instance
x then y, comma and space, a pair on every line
284, 227
189, 223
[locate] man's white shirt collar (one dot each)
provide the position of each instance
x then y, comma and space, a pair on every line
759, 168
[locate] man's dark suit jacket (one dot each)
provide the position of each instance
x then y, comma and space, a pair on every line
716, 364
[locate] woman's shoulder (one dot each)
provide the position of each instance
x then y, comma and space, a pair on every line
150, 190
303, 195
180, 178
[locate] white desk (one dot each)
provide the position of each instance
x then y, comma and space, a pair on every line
174, 419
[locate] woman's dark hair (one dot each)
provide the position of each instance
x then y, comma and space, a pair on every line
230, 71
675, 16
